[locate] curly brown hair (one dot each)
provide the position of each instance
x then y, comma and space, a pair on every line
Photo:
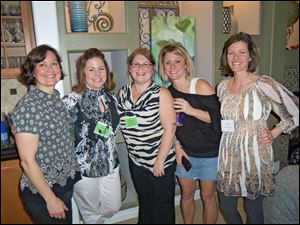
34, 57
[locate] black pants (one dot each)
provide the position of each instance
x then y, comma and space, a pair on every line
36, 207
155, 195
253, 208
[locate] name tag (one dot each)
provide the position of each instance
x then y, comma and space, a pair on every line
102, 129
227, 125
131, 121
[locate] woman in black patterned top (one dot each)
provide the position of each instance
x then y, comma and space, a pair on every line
45, 146
148, 126
95, 120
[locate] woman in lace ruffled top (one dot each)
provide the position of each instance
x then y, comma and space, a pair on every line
245, 167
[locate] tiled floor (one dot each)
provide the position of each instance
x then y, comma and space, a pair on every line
198, 215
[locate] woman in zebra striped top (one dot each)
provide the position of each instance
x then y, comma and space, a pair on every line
148, 125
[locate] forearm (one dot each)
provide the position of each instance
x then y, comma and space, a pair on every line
167, 142
37, 178
201, 115
276, 131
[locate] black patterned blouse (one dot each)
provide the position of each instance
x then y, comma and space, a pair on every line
96, 152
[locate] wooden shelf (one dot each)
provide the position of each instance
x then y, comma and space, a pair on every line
10, 49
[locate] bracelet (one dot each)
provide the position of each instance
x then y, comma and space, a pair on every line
177, 142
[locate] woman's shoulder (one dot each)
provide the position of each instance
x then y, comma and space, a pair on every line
223, 82
203, 87
266, 83
265, 79
112, 95
71, 99
123, 90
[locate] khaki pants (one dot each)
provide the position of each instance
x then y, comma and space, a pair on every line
98, 198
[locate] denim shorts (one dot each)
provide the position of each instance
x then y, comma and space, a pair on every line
202, 169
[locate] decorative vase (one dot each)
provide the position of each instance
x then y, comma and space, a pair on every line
230, 23
226, 20
78, 16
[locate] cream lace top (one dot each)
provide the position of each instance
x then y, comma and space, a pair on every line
245, 166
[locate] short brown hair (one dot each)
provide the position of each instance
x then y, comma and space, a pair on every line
254, 55
34, 57
180, 51
141, 51
80, 65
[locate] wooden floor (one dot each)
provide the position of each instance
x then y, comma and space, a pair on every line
198, 215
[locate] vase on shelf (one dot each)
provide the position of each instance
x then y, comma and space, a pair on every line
230, 23
78, 16
234, 23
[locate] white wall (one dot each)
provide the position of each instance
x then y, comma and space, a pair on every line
46, 29
203, 13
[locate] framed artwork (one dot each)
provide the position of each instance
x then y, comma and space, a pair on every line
171, 29
292, 32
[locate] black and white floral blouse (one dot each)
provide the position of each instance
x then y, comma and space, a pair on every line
96, 154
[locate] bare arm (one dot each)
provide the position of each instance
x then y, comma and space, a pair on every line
27, 147
168, 121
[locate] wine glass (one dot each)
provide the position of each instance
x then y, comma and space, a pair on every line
179, 119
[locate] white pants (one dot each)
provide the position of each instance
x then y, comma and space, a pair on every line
98, 198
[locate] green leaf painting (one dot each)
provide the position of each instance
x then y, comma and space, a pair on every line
172, 29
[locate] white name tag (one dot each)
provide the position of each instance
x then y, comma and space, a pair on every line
227, 125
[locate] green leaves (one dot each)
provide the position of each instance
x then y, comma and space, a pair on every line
183, 25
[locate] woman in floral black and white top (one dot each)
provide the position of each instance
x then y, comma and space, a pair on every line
95, 121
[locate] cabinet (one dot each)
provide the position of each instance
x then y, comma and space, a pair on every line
12, 211
17, 36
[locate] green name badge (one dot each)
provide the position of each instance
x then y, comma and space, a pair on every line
102, 129
131, 122
72, 133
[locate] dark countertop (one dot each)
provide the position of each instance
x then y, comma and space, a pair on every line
9, 152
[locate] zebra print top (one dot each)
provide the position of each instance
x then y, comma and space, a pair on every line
143, 141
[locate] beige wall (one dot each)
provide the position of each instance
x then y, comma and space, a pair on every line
247, 14
203, 13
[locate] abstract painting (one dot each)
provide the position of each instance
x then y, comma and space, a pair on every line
172, 29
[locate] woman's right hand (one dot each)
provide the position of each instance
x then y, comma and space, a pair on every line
179, 154
56, 208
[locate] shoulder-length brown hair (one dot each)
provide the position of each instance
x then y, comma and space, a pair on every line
35, 56
253, 52
180, 51
80, 65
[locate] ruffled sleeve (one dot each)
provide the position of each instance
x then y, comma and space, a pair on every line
212, 106
284, 103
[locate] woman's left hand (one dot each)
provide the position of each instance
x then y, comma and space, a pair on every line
266, 137
158, 169
181, 105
